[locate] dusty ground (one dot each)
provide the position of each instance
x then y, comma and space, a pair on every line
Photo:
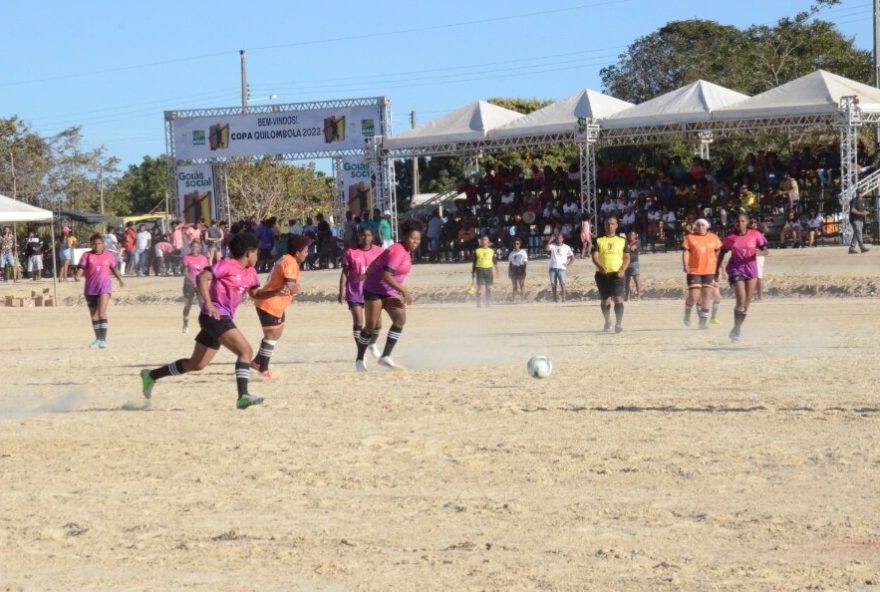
658, 459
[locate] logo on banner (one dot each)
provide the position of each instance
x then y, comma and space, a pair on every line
368, 128
334, 129
219, 136
199, 138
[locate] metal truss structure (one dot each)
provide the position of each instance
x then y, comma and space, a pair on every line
848, 122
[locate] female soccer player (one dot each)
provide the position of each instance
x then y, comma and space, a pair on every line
221, 288
355, 262
744, 244
699, 260
484, 270
96, 266
384, 289
516, 270
284, 280
192, 265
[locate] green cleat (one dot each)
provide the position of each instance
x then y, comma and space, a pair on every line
246, 401
148, 383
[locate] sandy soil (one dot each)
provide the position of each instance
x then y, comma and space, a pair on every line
658, 459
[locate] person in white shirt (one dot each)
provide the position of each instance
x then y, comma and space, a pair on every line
792, 230
142, 241
111, 243
561, 257
815, 223
516, 270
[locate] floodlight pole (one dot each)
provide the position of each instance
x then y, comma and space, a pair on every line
244, 86
877, 55
415, 160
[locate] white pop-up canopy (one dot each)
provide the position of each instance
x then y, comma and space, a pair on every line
15, 211
468, 124
817, 93
693, 103
560, 117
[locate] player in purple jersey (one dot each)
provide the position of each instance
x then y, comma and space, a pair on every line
96, 266
192, 265
221, 288
744, 245
355, 262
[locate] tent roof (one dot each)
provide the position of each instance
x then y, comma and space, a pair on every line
561, 116
693, 103
468, 124
17, 211
817, 93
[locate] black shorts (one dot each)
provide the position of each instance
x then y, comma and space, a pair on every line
212, 329
373, 296
485, 276
92, 299
516, 271
610, 285
189, 291
269, 320
352, 304
698, 281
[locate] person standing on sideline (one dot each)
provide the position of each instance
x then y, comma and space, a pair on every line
111, 245
744, 245
632, 270
561, 257
68, 245
384, 290
7, 253
385, 230
484, 270
96, 266
222, 287
33, 250
611, 258
355, 261
192, 265
699, 260
857, 215
284, 282
516, 269
143, 240
586, 234
130, 237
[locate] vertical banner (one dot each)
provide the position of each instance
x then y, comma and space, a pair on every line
195, 193
357, 184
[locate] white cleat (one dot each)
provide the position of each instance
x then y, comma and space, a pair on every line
387, 362
360, 366
374, 351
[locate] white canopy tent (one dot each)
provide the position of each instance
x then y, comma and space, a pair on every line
12, 211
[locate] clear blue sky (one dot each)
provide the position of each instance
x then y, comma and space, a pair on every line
114, 67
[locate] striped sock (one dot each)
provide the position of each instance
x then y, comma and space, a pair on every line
103, 325
96, 329
375, 337
242, 375
363, 340
356, 332
391, 341
267, 347
172, 369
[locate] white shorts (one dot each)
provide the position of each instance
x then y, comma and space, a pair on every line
35, 263
760, 261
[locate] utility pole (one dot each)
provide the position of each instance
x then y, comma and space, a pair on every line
415, 160
877, 53
101, 188
244, 86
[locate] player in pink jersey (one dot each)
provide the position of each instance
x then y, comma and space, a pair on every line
384, 289
744, 245
192, 265
355, 262
96, 266
221, 288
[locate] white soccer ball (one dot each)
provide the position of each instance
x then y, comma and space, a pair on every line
540, 366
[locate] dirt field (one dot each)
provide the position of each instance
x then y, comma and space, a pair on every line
662, 458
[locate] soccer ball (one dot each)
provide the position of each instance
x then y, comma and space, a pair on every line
539, 366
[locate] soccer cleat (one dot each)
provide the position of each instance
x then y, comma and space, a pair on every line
102, 344
95, 344
607, 327
714, 322
387, 362
374, 351
734, 335
246, 401
618, 328
185, 328
865, 249
704, 323
148, 383
360, 366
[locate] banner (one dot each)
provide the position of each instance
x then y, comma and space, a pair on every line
357, 184
279, 132
195, 193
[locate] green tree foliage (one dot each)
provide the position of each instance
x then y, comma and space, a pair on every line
270, 187
141, 189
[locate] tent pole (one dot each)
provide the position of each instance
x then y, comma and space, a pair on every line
54, 266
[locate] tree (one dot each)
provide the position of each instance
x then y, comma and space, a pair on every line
269, 187
140, 189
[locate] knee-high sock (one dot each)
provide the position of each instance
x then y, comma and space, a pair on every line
739, 316
606, 312
375, 336
267, 347
363, 341
172, 369
356, 332
391, 341
96, 328
103, 325
242, 375
186, 309
618, 312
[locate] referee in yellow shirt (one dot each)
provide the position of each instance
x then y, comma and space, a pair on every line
611, 258
484, 270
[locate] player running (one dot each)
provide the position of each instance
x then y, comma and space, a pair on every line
97, 265
384, 289
699, 260
222, 288
744, 244
284, 280
192, 265
355, 262
611, 258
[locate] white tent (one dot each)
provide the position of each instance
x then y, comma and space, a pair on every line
468, 124
693, 103
15, 211
560, 117
817, 93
